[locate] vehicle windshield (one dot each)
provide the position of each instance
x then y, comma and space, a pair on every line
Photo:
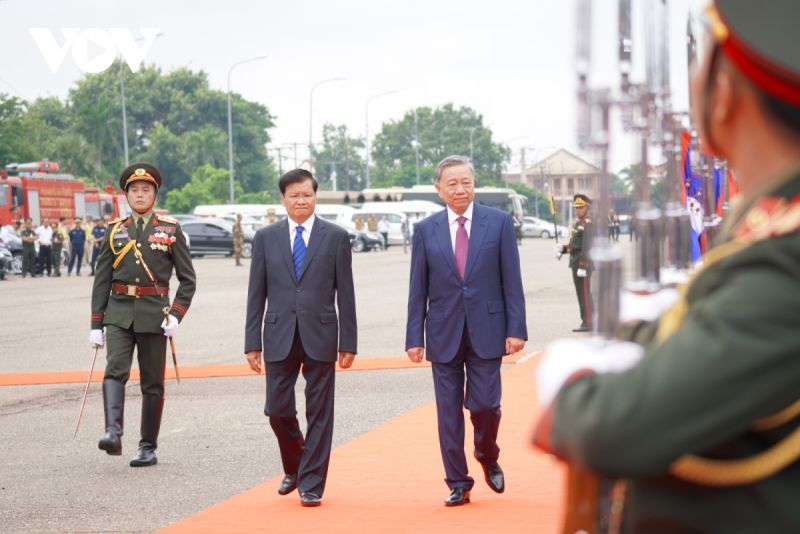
93, 209
3, 194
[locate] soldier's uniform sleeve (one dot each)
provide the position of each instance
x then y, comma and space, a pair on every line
732, 362
184, 270
585, 244
102, 283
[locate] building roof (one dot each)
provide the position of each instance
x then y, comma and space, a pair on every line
562, 162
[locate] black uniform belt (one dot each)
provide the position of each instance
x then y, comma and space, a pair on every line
139, 291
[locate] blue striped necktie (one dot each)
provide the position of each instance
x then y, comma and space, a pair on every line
298, 251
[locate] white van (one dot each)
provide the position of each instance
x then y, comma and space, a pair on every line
395, 212
337, 213
258, 211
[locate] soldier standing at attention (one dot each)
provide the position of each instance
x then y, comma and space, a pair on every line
130, 299
578, 249
29, 238
701, 414
238, 239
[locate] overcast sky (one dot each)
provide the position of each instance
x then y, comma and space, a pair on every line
512, 61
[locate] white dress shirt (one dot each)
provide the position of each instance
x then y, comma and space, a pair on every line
45, 234
452, 219
306, 230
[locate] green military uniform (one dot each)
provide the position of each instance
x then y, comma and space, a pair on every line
58, 246
580, 243
238, 241
720, 375
129, 298
28, 252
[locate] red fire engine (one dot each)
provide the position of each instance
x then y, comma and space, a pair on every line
37, 190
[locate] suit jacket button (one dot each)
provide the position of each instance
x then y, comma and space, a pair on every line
297, 289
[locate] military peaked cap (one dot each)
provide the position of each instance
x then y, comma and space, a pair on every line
139, 172
763, 41
580, 200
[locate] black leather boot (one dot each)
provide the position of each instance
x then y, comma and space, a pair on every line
152, 408
114, 407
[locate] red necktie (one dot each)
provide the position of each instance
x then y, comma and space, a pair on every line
462, 246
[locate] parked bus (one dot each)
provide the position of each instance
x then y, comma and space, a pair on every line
497, 197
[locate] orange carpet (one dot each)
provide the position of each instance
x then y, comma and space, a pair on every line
199, 371
391, 480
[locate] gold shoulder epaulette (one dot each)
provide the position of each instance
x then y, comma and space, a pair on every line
118, 219
167, 219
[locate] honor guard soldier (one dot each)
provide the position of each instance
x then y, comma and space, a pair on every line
130, 299
580, 243
701, 415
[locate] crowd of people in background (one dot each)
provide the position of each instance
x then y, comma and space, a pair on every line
51, 245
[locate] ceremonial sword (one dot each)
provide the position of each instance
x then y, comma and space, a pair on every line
86, 390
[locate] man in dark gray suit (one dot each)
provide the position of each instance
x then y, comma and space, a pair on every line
299, 266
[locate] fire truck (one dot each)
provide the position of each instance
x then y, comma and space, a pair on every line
39, 191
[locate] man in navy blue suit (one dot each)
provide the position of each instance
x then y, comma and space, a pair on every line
466, 298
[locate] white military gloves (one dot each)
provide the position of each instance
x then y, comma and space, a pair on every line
170, 325
97, 338
565, 357
647, 307
581, 273
558, 249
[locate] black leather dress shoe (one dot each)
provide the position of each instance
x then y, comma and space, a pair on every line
310, 499
494, 477
288, 485
581, 328
457, 497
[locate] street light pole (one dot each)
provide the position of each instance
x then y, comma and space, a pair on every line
416, 142
311, 119
230, 123
366, 129
124, 115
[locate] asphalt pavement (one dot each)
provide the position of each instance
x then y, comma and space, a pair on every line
215, 440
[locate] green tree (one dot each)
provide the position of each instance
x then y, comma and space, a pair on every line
208, 185
341, 153
54, 137
443, 131
176, 121
96, 112
14, 132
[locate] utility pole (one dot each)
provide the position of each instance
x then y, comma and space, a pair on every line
280, 158
523, 177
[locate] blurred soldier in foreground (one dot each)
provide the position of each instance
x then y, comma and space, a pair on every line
130, 299
702, 414
578, 250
